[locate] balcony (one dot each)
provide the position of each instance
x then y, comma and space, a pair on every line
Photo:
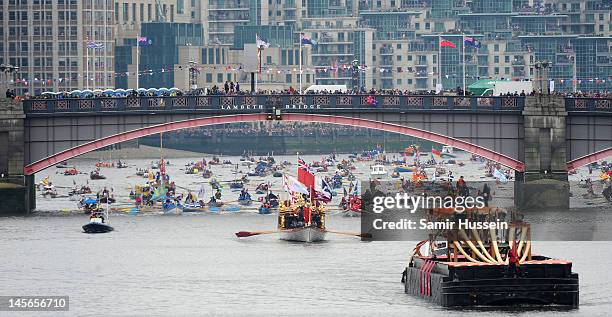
219, 7
386, 51
332, 53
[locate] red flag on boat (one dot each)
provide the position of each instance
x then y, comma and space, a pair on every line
435, 152
447, 43
304, 175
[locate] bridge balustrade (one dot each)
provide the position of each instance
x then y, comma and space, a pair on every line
588, 104
263, 103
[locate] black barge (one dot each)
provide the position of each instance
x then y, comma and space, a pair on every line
541, 281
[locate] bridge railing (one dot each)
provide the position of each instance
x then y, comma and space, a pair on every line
588, 104
289, 103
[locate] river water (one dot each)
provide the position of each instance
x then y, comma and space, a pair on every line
163, 265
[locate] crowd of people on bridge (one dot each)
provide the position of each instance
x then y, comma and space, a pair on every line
231, 88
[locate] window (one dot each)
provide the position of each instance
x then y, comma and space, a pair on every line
496, 70
268, 60
410, 58
288, 78
208, 77
399, 58
507, 70
399, 46
142, 12
180, 6
125, 12
496, 47
219, 77
399, 81
496, 59
507, 59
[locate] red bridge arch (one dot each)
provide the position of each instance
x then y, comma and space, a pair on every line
191, 123
587, 159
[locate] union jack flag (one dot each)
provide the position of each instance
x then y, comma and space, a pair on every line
302, 164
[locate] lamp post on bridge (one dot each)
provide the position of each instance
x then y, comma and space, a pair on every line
355, 74
193, 75
541, 83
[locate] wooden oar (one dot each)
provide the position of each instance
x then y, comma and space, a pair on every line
244, 234
360, 235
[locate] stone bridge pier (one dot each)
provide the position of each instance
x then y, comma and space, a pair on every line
544, 183
17, 192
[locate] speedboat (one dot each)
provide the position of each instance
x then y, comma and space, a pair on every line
447, 151
98, 222
96, 175
378, 171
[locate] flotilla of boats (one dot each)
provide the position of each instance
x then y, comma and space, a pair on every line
453, 267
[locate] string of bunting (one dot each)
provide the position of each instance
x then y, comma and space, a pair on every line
272, 70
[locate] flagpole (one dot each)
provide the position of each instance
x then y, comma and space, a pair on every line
258, 66
87, 63
440, 62
93, 34
301, 63
463, 59
137, 60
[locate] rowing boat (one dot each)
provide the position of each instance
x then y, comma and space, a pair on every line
303, 234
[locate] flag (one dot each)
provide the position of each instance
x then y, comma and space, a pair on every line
302, 164
261, 43
304, 175
499, 175
435, 152
470, 41
162, 167
94, 45
144, 41
322, 190
306, 40
292, 185
446, 43
159, 193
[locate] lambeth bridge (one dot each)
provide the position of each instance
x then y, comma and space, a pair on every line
540, 136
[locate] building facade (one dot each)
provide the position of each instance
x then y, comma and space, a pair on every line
58, 45
383, 44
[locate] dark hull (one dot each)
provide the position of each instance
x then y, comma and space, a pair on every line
95, 227
545, 282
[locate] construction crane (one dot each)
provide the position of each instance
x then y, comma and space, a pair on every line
161, 15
